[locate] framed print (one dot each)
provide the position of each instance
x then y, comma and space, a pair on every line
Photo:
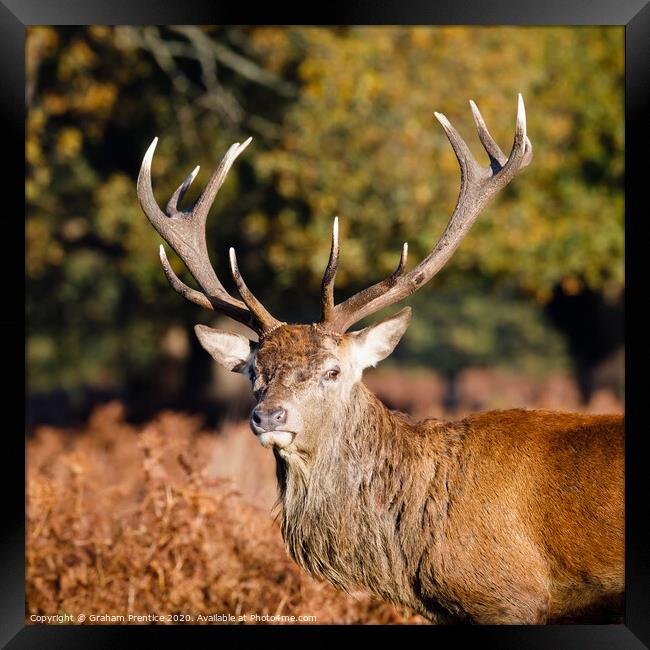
326, 323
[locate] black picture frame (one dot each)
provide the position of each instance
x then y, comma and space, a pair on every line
634, 15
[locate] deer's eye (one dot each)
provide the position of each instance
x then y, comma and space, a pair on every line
332, 374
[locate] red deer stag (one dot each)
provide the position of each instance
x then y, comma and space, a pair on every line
512, 516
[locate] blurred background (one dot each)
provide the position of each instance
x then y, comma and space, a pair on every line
528, 313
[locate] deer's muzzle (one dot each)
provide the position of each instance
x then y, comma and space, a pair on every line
271, 425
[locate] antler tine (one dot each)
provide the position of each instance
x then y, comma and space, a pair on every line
497, 157
517, 158
179, 286
205, 201
174, 203
267, 321
477, 186
327, 285
468, 165
402, 261
184, 231
145, 191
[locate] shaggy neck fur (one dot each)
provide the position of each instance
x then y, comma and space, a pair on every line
355, 512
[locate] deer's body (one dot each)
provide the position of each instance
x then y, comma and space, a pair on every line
503, 517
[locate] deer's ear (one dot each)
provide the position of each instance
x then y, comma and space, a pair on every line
233, 351
372, 344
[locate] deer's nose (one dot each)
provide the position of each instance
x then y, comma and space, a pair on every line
269, 419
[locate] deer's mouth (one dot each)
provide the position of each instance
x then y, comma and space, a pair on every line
278, 439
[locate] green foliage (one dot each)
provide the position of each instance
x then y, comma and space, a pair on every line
343, 124
470, 325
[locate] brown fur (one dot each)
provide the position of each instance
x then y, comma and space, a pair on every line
503, 517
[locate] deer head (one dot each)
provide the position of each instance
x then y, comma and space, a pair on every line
305, 376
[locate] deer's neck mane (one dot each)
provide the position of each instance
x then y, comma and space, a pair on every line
355, 513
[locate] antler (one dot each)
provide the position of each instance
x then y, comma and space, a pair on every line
184, 231
478, 184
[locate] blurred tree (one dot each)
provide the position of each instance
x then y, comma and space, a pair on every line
361, 142
97, 303
343, 119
